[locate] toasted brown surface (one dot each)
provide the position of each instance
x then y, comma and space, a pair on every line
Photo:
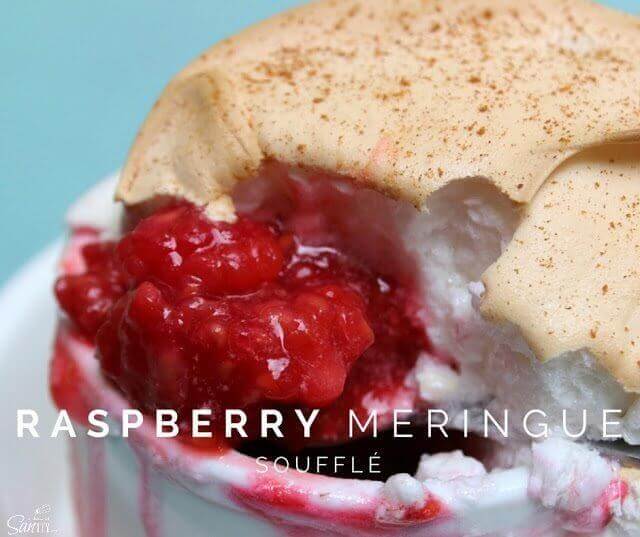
406, 96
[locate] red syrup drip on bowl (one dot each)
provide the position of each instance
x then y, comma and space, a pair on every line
189, 313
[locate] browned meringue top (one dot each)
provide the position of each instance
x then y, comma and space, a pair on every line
540, 97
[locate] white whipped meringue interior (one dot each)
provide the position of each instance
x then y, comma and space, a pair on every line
462, 230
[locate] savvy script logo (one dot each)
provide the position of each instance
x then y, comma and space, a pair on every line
39, 523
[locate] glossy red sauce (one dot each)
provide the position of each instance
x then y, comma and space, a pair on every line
189, 313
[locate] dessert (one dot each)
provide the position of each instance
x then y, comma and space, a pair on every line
382, 207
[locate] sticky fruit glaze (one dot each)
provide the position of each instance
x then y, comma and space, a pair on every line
191, 313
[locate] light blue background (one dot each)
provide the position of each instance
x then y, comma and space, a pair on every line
76, 80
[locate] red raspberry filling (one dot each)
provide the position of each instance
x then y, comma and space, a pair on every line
189, 313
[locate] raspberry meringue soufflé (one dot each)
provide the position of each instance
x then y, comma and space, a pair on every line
372, 268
